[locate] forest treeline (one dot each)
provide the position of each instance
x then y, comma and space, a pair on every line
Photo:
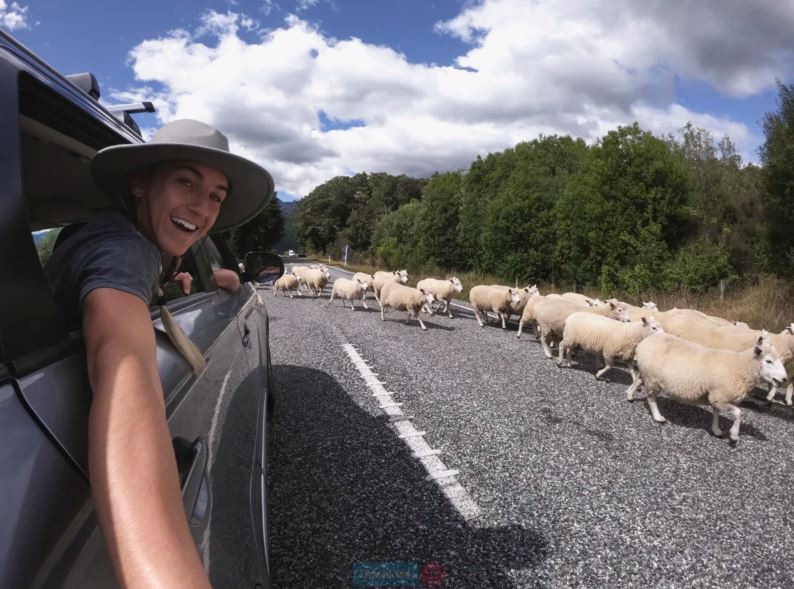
632, 212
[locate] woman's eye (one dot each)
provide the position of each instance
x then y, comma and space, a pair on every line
186, 182
217, 198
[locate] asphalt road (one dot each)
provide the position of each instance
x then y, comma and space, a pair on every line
573, 485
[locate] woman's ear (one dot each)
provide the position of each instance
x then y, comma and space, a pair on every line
138, 185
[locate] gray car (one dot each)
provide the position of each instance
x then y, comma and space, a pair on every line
49, 129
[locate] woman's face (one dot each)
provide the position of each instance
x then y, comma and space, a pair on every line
177, 203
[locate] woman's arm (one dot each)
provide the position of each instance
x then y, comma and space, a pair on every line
133, 472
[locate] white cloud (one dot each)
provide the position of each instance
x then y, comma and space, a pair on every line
547, 67
13, 17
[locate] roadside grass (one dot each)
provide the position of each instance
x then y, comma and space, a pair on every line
765, 304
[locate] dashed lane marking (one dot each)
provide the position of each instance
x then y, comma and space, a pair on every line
414, 439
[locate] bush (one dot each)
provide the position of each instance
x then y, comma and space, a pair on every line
698, 266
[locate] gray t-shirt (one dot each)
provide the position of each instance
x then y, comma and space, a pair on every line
108, 252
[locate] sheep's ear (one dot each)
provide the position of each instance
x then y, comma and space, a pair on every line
612, 305
760, 340
790, 328
645, 321
422, 290
757, 352
589, 302
526, 289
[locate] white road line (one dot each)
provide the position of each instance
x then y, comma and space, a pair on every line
414, 439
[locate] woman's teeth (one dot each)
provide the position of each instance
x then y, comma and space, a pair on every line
183, 225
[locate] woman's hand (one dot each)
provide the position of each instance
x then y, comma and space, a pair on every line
185, 279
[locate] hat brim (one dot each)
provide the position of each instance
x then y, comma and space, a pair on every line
251, 185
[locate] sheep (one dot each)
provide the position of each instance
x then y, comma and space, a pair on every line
523, 297
288, 282
443, 290
404, 298
528, 314
379, 279
365, 278
576, 297
485, 298
690, 373
316, 279
615, 341
550, 315
348, 290
637, 313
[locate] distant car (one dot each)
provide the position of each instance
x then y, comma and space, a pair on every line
291, 253
49, 130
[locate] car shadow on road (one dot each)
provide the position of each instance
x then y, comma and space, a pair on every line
344, 489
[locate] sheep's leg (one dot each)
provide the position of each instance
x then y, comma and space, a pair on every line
422, 325
382, 317
331, 300
364, 302
561, 356
789, 394
545, 344
502, 317
606, 368
477, 315
657, 417
352, 308
635, 384
715, 422
737, 419
520, 328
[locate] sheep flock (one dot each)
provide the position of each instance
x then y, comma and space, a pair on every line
682, 354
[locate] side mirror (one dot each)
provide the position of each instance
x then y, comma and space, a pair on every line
263, 267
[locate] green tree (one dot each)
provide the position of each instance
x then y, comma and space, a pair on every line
777, 155
396, 238
629, 181
437, 221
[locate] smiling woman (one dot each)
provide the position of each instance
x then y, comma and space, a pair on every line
175, 189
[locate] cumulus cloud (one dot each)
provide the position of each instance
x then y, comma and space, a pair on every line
546, 67
13, 16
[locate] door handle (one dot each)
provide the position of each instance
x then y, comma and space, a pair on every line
191, 460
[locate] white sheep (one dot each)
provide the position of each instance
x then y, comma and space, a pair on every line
348, 290
289, 282
484, 298
690, 373
315, 279
404, 298
523, 296
443, 290
576, 297
365, 278
615, 341
528, 314
550, 316
380, 278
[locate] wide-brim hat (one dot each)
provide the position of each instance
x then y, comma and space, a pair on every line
250, 185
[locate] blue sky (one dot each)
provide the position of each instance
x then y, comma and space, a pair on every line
317, 88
